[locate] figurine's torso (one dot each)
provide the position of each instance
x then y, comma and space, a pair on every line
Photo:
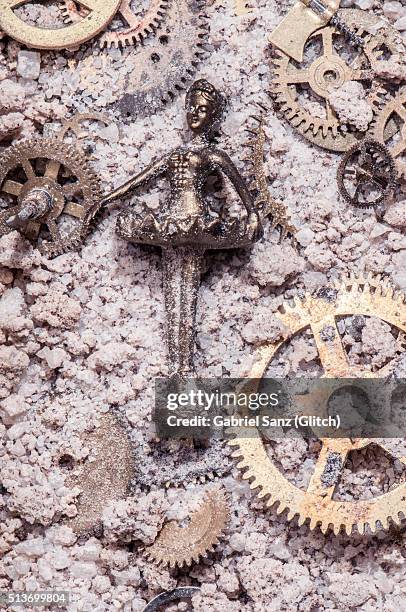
187, 171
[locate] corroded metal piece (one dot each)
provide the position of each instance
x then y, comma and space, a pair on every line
104, 476
99, 16
354, 296
186, 226
165, 67
169, 596
74, 124
264, 202
324, 74
179, 546
43, 197
366, 175
136, 28
390, 129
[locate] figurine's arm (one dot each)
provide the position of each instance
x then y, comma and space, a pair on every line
155, 169
224, 163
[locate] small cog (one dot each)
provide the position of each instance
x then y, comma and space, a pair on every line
366, 175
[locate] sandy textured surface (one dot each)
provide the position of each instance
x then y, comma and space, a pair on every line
82, 335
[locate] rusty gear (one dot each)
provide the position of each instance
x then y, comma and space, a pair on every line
74, 199
176, 546
326, 73
390, 125
366, 175
74, 124
167, 65
353, 296
100, 13
264, 202
136, 30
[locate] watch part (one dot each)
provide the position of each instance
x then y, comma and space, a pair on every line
134, 28
179, 546
169, 596
48, 185
266, 205
301, 92
390, 129
353, 296
166, 64
366, 175
100, 13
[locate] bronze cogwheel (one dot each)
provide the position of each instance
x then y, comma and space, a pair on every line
41, 164
134, 30
100, 13
326, 73
177, 546
354, 296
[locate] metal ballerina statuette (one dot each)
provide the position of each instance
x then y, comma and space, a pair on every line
185, 226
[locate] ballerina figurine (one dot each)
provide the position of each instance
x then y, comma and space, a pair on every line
185, 227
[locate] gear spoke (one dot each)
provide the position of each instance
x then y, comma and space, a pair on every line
331, 351
327, 37
299, 76
12, 187
28, 169
75, 210
127, 14
52, 169
328, 468
362, 75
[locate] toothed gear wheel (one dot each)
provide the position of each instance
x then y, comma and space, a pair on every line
322, 76
179, 546
60, 170
352, 296
390, 129
166, 64
366, 175
97, 17
134, 29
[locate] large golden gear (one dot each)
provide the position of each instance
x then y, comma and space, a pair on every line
323, 75
355, 296
100, 14
136, 30
390, 129
41, 167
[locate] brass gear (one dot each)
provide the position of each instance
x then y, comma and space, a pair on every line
353, 296
367, 166
25, 157
164, 69
324, 74
74, 124
177, 546
99, 16
136, 30
390, 124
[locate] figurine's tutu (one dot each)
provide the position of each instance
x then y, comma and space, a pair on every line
209, 233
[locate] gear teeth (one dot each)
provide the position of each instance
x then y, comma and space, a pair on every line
362, 294
177, 547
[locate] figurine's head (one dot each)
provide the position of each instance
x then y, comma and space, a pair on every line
204, 106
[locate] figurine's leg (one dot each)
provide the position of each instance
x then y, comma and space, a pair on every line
182, 272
